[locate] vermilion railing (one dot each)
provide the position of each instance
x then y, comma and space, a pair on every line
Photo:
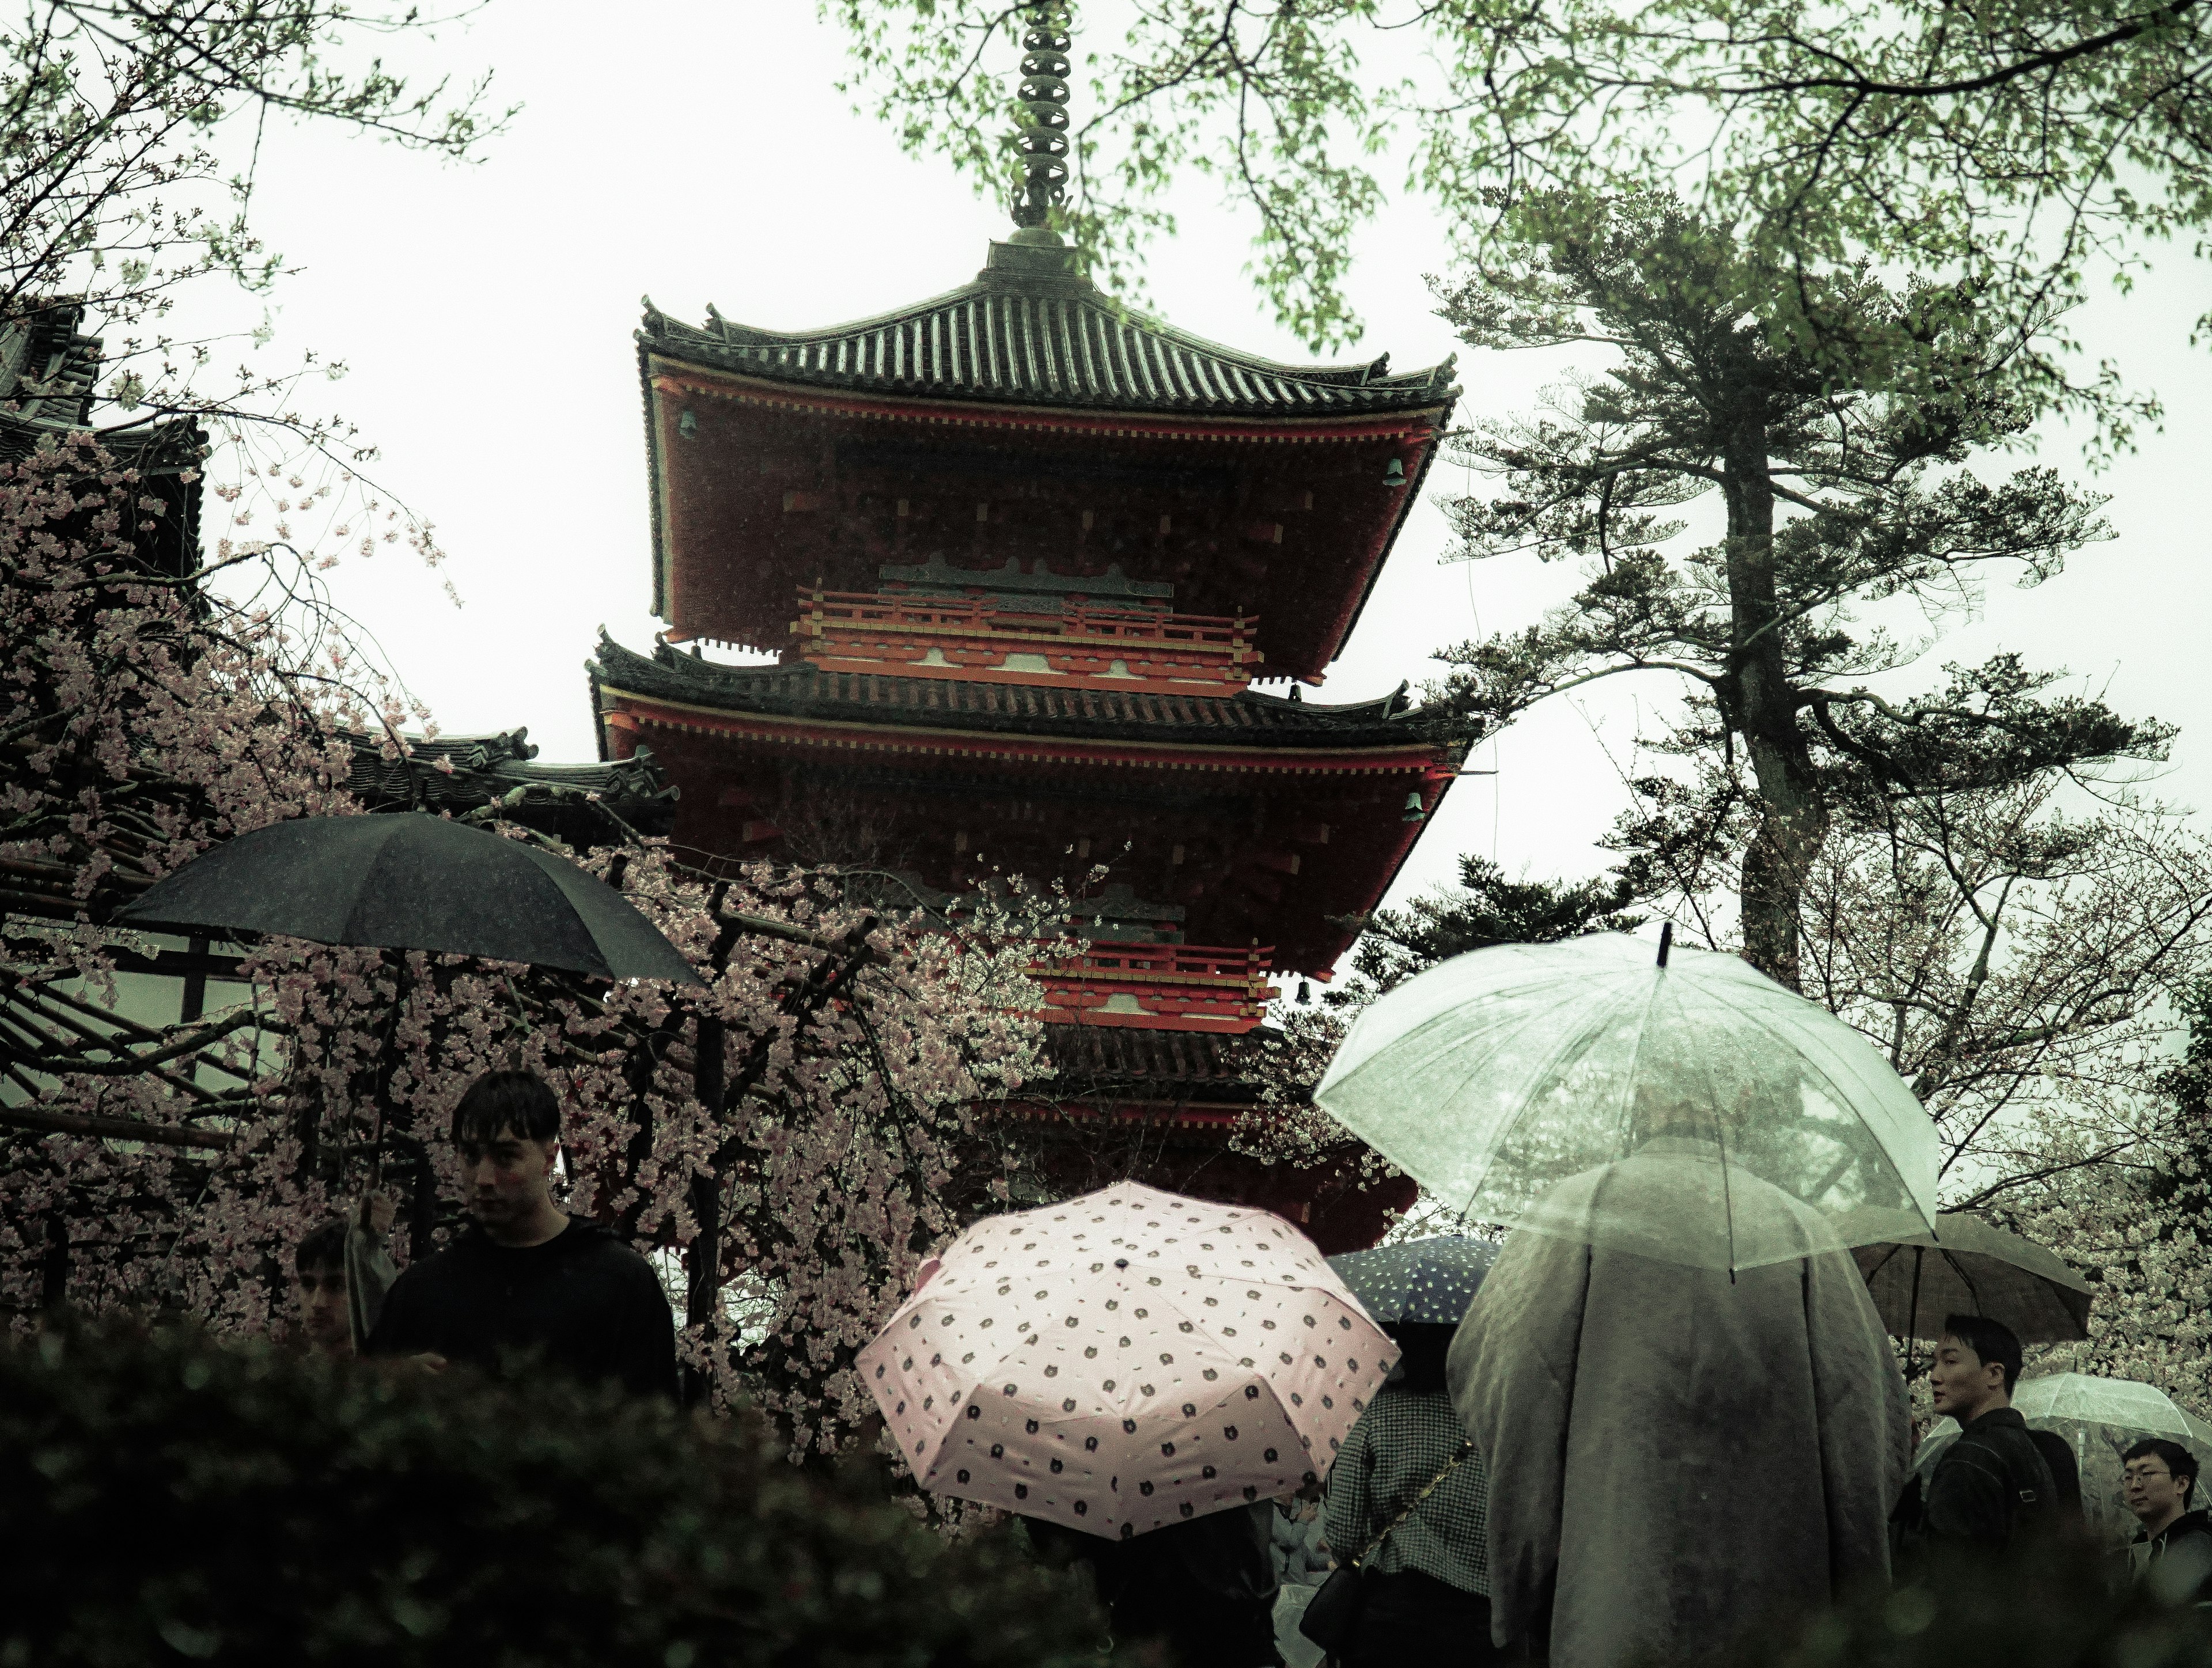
1168, 988
988, 639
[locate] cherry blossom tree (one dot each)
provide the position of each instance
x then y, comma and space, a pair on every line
795, 1137
787, 1141
2136, 1224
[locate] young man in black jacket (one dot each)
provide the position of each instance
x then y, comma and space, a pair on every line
524, 1274
1992, 1486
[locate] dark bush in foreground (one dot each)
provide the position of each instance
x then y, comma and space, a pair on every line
168, 1501
2061, 1607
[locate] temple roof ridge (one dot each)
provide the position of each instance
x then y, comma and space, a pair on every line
1030, 330
49, 371
582, 803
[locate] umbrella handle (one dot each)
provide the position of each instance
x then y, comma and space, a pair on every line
384, 1068
515, 997
1912, 1316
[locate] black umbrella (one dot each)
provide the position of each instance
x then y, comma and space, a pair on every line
1968, 1267
1422, 1283
408, 880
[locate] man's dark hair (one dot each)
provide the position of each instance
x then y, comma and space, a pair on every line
507, 1102
2179, 1460
322, 1245
1991, 1341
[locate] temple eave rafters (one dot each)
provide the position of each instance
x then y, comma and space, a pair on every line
1419, 423
855, 736
835, 488
1287, 857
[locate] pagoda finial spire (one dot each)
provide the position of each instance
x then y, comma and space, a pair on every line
1043, 141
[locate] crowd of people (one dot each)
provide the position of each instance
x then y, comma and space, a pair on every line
1611, 1459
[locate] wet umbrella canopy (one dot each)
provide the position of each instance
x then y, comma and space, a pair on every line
1125, 1361
1422, 1283
408, 880
2119, 1404
1968, 1267
1509, 1080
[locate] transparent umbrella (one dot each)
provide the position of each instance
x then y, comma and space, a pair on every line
1685, 1107
2117, 1405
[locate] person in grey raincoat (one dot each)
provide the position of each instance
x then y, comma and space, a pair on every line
1676, 1454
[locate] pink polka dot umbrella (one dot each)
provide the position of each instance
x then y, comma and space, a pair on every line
1124, 1360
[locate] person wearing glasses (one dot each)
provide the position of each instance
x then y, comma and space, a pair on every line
2172, 1554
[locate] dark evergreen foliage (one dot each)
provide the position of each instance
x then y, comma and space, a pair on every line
166, 1498
1487, 908
2068, 1606
2187, 1087
1836, 418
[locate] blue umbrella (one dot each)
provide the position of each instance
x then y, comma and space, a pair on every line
1423, 1282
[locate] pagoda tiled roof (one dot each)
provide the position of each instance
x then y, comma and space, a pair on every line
582, 804
1086, 713
49, 376
49, 372
1029, 332
1131, 1063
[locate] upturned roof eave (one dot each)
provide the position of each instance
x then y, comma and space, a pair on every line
1406, 502
1284, 726
730, 332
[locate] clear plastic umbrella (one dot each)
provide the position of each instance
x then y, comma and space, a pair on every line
1513, 1082
2116, 1405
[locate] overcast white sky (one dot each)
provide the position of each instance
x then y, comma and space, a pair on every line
698, 152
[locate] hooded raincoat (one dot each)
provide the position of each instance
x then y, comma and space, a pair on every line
1675, 1454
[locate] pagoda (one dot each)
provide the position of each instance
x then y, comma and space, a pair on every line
1021, 554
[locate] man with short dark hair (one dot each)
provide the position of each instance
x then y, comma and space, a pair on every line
340, 1273
1993, 1485
318, 1286
524, 1274
2172, 1553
